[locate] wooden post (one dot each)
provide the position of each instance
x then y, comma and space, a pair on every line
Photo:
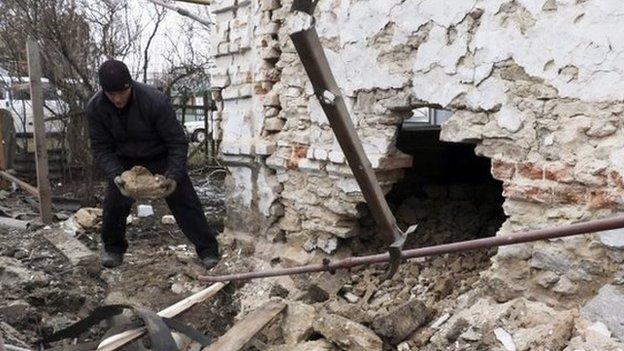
3, 160
41, 151
207, 114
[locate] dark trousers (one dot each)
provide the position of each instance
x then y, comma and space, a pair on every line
184, 204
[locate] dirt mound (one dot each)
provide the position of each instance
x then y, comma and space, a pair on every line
141, 184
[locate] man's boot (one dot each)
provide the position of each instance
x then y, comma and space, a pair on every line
210, 261
111, 259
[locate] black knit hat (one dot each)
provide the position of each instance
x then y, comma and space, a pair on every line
114, 76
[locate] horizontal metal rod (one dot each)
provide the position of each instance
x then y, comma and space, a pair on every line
615, 222
22, 184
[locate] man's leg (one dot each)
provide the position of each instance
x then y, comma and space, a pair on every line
189, 214
116, 209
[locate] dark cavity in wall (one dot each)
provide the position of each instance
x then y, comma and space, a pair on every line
449, 191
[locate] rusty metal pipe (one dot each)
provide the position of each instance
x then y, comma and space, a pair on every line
22, 184
615, 222
308, 46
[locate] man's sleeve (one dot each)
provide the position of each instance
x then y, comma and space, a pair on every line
102, 146
170, 130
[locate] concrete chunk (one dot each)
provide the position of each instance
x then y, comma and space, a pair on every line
399, 323
77, 253
347, 334
297, 324
607, 307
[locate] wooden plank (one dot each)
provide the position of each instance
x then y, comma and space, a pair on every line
117, 341
77, 253
22, 184
41, 152
243, 331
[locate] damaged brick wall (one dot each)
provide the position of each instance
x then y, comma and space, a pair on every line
535, 84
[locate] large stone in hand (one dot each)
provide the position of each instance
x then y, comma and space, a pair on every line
141, 184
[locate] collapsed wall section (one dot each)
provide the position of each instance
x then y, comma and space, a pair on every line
535, 85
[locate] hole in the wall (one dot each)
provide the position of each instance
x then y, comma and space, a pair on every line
449, 190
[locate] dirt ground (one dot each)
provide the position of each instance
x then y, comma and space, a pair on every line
41, 292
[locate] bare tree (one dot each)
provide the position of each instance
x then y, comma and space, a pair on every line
186, 63
157, 18
75, 37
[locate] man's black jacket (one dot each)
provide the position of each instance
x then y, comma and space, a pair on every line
145, 129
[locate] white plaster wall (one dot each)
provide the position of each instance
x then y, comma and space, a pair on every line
585, 35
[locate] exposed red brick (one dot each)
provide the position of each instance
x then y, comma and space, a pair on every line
559, 172
529, 193
298, 152
569, 194
601, 199
531, 171
502, 170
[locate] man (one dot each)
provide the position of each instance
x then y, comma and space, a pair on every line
134, 124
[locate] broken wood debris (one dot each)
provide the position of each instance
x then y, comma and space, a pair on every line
243, 331
117, 341
22, 184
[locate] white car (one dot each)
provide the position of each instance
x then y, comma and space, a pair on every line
15, 98
196, 130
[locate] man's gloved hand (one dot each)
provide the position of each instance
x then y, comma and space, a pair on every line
121, 186
169, 184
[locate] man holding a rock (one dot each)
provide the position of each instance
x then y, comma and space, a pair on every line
132, 124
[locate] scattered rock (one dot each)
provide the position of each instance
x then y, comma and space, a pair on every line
13, 272
297, 324
316, 345
471, 335
404, 346
544, 328
14, 308
600, 328
593, 337
325, 286
351, 297
168, 220
607, 307
456, 329
438, 323
612, 238
505, 338
88, 218
347, 334
547, 279
141, 184
556, 261
279, 291
565, 287
399, 323
178, 288
145, 211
